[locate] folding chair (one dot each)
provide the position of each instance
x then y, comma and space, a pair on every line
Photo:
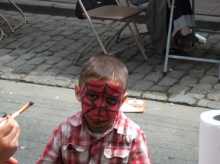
171, 6
2, 34
115, 13
17, 26
142, 7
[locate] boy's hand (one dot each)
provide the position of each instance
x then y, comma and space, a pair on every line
9, 134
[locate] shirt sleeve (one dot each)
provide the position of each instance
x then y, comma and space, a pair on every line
139, 152
52, 152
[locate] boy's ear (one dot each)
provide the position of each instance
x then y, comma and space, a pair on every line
78, 92
125, 97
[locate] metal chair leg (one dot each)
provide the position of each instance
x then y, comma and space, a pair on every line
2, 34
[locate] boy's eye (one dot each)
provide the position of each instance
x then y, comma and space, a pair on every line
111, 100
92, 96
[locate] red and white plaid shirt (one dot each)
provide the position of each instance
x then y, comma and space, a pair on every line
72, 143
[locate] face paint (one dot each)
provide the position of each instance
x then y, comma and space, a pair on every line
100, 101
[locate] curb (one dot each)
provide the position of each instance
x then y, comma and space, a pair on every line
207, 23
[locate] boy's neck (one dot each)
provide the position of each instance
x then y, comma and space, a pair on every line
102, 129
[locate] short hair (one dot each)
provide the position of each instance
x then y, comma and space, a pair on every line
105, 68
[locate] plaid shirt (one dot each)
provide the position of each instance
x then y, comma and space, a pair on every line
72, 143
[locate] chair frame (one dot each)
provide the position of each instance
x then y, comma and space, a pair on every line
2, 34
171, 6
17, 26
105, 48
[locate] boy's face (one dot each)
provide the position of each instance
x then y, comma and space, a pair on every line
100, 101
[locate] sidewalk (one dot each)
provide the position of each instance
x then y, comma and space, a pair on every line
172, 131
207, 11
43, 50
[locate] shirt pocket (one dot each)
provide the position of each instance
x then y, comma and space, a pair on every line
74, 153
116, 152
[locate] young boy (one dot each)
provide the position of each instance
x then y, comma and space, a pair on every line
100, 133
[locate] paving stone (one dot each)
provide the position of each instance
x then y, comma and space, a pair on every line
56, 48
183, 67
52, 60
66, 42
6, 41
209, 104
214, 95
27, 56
154, 76
128, 54
217, 86
53, 33
6, 69
183, 99
75, 47
7, 58
180, 89
175, 74
49, 43
145, 69
67, 32
201, 88
135, 77
14, 45
26, 39
160, 68
40, 69
52, 72
19, 51
209, 80
204, 46
213, 72
131, 65
36, 61
65, 77
72, 70
4, 51
31, 45
134, 93
24, 69
57, 38
203, 66
142, 85
10, 76
196, 73
157, 88
166, 81
39, 49
42, 38
194, 95
188, 81
154, 96
153, 62
16, 63
37, 79
76, 36
63, 64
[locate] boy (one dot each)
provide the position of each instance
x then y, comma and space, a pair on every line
100, 133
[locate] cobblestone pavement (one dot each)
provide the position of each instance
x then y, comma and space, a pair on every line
172, 131
43, 51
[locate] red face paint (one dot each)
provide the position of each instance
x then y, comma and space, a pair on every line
100, 101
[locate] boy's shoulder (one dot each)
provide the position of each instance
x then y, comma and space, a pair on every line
72, 121
128, 127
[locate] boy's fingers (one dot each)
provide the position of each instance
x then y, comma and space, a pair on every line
10, 125
11, 161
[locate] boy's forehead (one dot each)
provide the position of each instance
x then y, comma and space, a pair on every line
101, 82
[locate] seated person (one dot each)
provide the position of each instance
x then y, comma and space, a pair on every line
9, 134
100, 133
157, 20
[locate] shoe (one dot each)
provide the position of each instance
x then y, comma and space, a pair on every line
179, 52
189, 37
